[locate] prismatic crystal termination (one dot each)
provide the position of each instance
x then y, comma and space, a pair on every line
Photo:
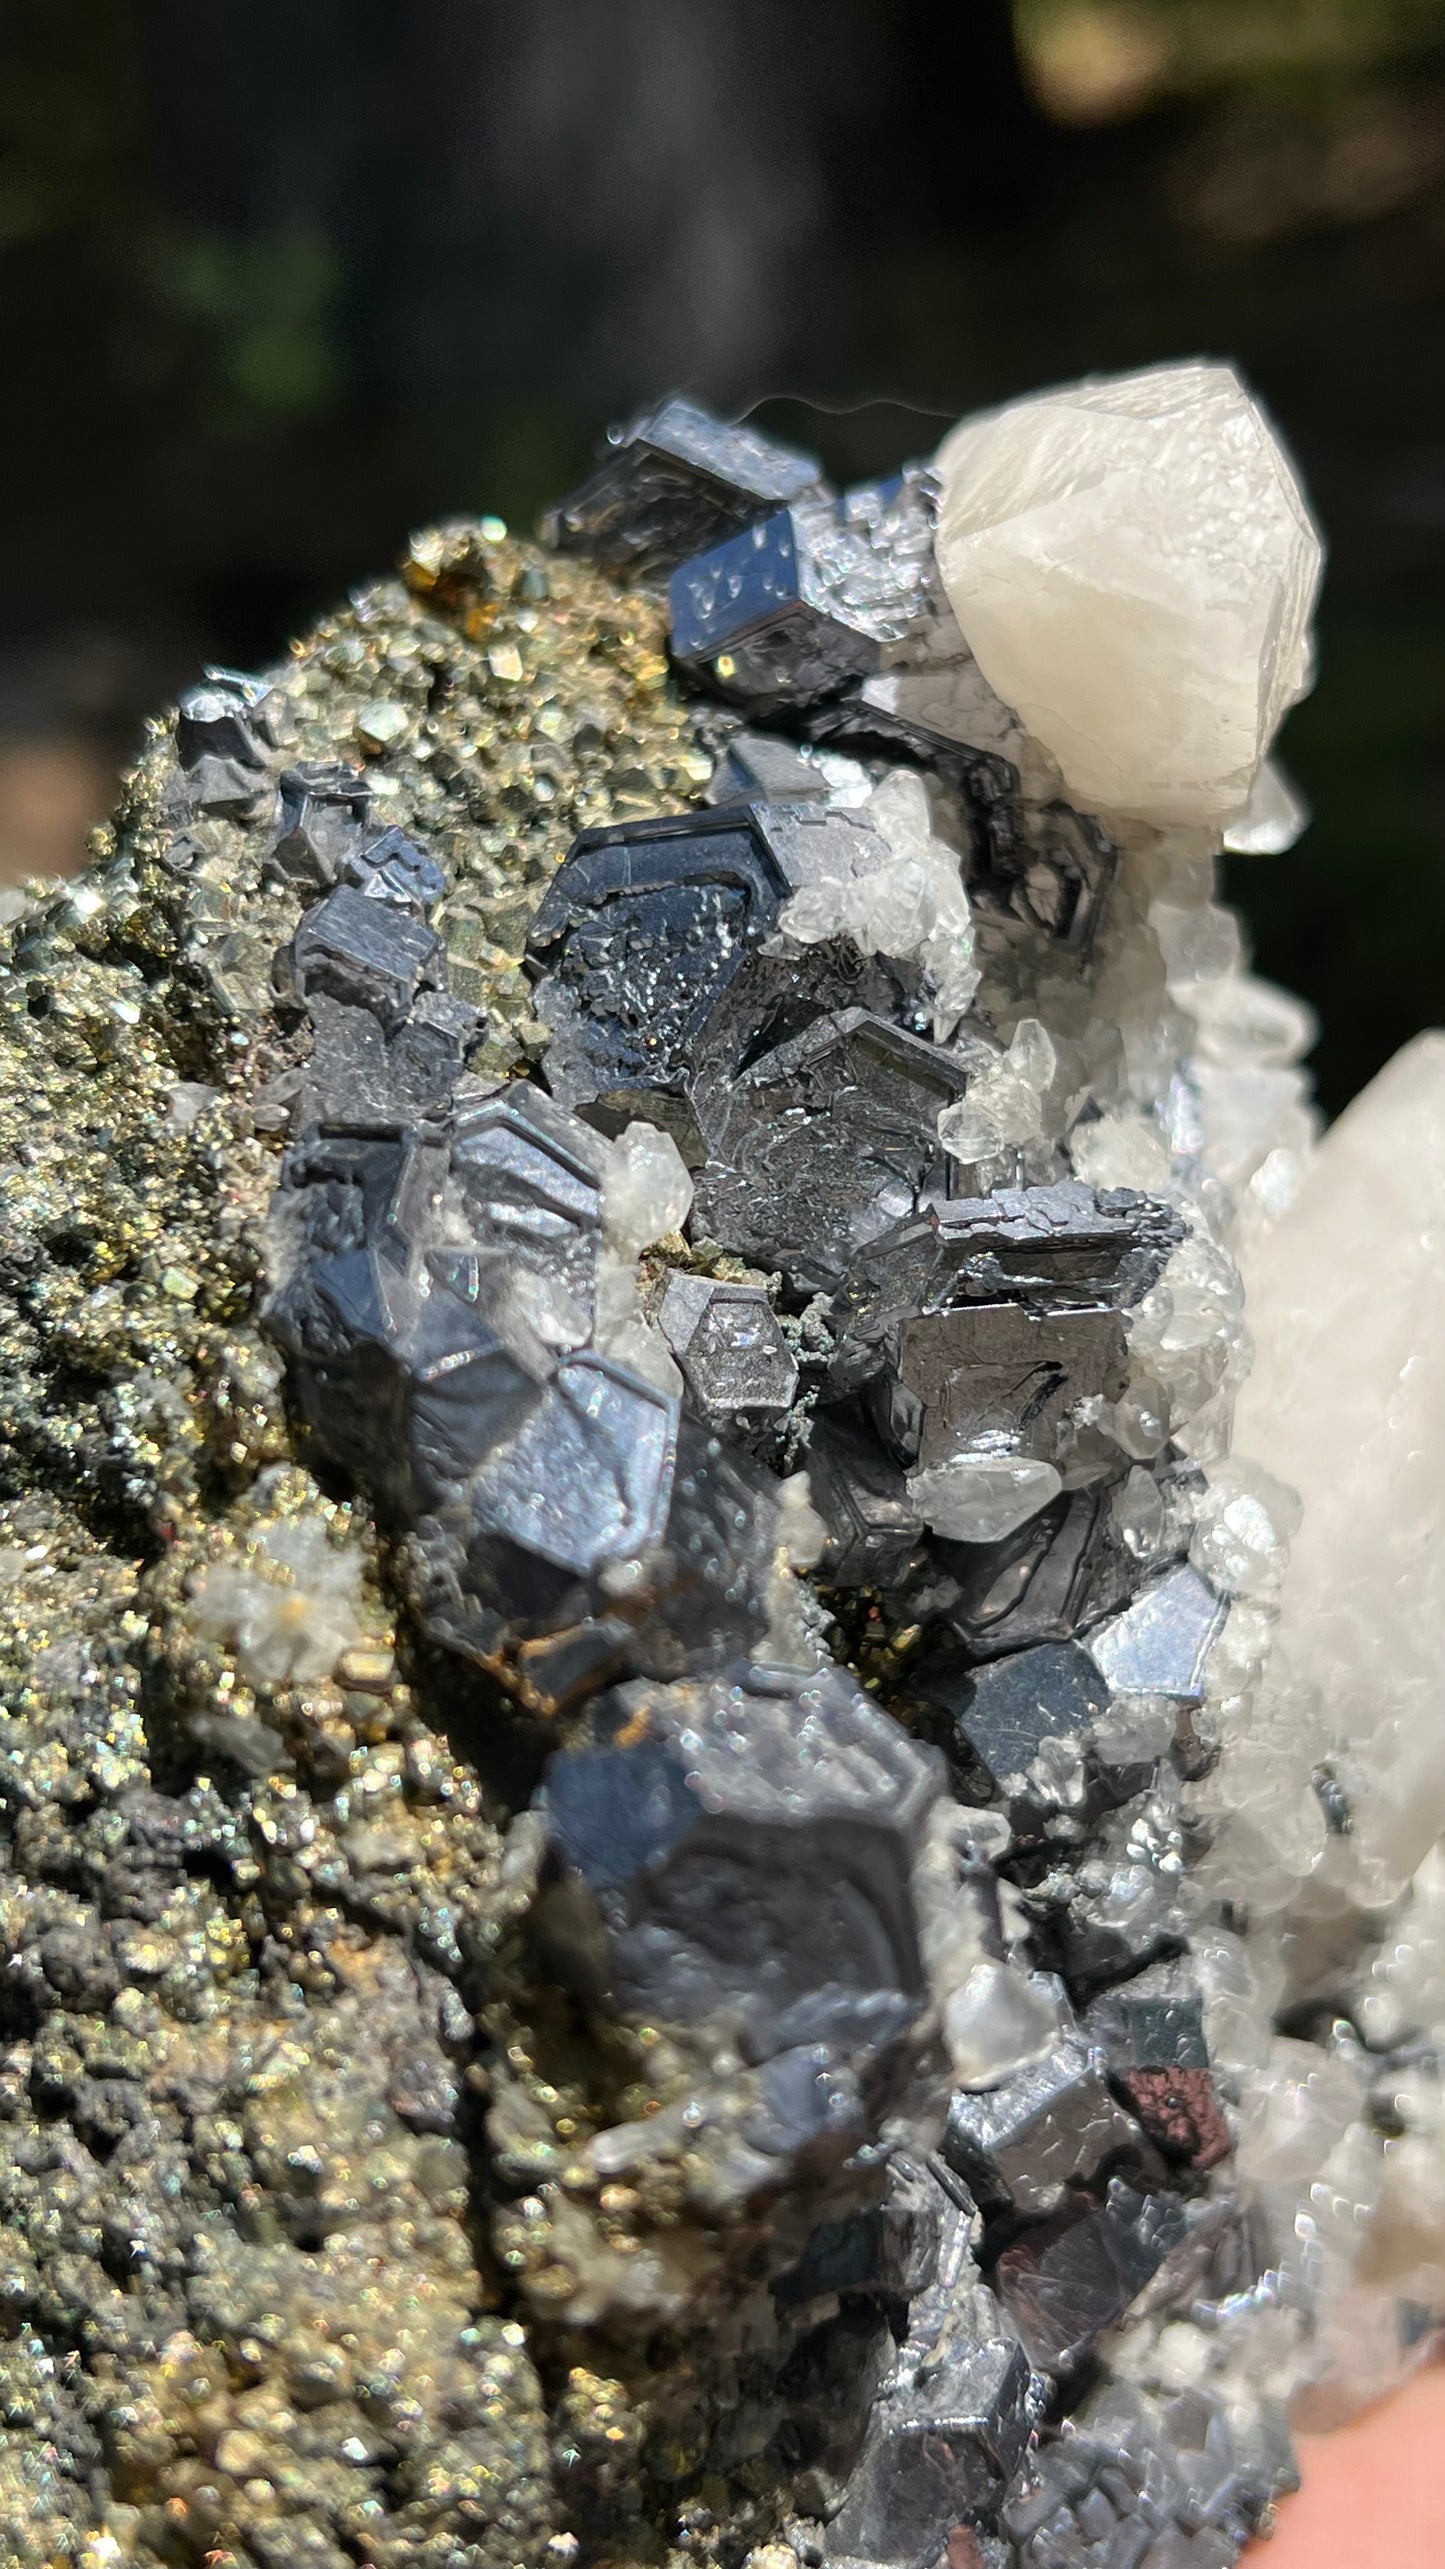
666, 1894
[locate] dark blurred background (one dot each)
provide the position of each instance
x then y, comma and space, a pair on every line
280, 280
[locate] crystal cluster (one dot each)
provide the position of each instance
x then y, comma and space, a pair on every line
686, 1874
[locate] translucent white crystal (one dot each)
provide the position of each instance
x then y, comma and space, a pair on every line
1346, 1403
969, 1131
794, 1635
912, 906
1240, 1989
1247, 1114
1241, 1022
1188, 1334
1004, 1105
289, 1610
189, 1099
1031, 1055
997, 2023
979, 1498
1121, 1150
1292, 2120
1275, 816
620, 1329
1405, 1985
1243, 1524
647, 1191
1138, 1513
1133, 566
1135, 1728
1199, 942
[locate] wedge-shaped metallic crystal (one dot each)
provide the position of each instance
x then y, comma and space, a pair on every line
389, 866
230, 717
588, 1477
1055, 1573
1160, 1644
531, 1180
860, 1493
1054, 2125
890, 2248
1066, 2280
1022, 1727
325, 809
646, 951
937, 2457
605, 1506
368, 953
755, 618
1006, 1379
792, 610
672, 481
1066, 1247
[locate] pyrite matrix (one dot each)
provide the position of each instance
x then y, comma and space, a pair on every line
685, 1879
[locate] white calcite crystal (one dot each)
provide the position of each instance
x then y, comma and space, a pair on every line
979, 1498
1133, 565
290, 1610
1346, 1402
1273, 820
1004, 1106
912, 906
647, 1193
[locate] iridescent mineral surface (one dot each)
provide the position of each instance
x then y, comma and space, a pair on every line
682, 1880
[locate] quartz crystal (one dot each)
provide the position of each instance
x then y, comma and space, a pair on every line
716, 1847
1133, 565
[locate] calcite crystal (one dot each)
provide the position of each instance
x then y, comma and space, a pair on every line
684, 1874
1132, 564
1346, 1403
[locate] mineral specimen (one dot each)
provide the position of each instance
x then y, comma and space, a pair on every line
663, 1896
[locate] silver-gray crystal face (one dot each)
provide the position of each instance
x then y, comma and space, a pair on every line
1160, 1643
1018, 2146
747, 1847
943, 2458
325, 809
368, 954
735, 1360
672, 481
1001, 1378
826, 1141
226, 734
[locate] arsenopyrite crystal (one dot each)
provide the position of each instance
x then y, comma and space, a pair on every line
669, 1732
673, 480
226, 733
1018, 2146
324, 810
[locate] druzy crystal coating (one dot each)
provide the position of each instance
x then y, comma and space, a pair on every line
663, 1895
